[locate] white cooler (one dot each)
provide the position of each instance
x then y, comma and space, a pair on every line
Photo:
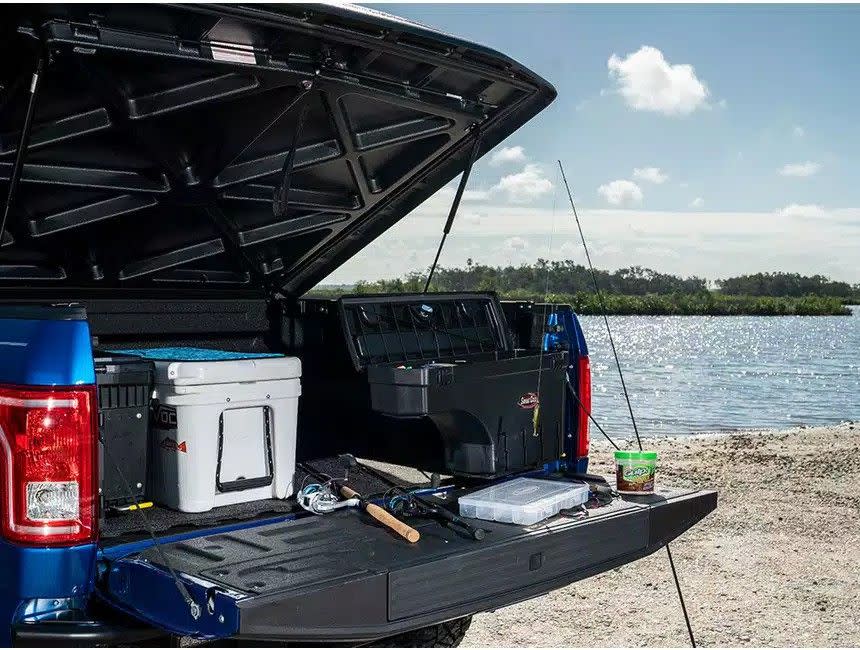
224, 431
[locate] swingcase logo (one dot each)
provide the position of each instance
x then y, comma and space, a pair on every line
528, 401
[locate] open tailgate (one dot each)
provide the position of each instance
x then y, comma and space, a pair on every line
339, 577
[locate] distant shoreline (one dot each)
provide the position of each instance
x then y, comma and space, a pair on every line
705, 303
631, 291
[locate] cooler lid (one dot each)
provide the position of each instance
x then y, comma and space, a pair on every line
162, 133
202, 373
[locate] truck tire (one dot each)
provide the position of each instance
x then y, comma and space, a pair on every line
444, 635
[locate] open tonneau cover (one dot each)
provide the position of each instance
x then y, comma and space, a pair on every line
160, 134
340, 577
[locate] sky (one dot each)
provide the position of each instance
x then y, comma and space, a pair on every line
708, 140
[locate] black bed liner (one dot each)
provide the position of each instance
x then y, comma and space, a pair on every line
161, 521
341, 578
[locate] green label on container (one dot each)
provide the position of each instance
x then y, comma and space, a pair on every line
635, 476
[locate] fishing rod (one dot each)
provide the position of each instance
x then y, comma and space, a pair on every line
573, 394
410, 502
324, 500
602, 304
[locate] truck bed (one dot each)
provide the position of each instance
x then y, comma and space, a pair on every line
162, 521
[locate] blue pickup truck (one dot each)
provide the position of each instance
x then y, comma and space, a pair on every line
180, 177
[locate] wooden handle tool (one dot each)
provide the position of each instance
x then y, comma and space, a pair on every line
383, 517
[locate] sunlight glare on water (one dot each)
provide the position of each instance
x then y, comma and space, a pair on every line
687, 374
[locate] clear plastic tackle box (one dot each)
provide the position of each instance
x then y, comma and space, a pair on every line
523, 501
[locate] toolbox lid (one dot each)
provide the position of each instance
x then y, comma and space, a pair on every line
112, 368
162, 133
200, 373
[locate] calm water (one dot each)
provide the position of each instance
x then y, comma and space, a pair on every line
700, 373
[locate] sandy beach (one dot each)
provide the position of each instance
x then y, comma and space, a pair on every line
778, 563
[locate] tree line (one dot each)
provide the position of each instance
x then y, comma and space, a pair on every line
565, 277
632, 290
787, 284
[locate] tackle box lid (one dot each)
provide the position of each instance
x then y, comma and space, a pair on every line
523, 500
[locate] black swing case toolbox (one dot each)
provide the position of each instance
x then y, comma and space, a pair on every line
429, 380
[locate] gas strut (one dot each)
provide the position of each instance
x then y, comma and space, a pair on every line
280, 199
23, 143
473, 155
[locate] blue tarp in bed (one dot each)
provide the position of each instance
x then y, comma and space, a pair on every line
194, 354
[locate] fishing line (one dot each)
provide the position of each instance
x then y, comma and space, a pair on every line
602, 306
193, 607
590, 416
623, 386
546, 298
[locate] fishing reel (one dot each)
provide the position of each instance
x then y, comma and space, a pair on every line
405, 505
321, 499
408, 504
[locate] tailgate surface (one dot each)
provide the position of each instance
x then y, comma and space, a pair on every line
341, 577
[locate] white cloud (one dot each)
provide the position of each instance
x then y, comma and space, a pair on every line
798, 131
650, 83
702, 242
526, 185
698, 202
568, 250
621, 192
809, 211
475, 195
471, 216
582, 104
443, 198
651, 174
516, 244
508, 155
803, 169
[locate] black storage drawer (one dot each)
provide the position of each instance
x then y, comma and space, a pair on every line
124, 389
494, 415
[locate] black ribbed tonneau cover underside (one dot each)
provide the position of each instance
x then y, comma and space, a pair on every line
160, 134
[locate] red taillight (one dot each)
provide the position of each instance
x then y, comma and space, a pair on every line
49, 465
583, 373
